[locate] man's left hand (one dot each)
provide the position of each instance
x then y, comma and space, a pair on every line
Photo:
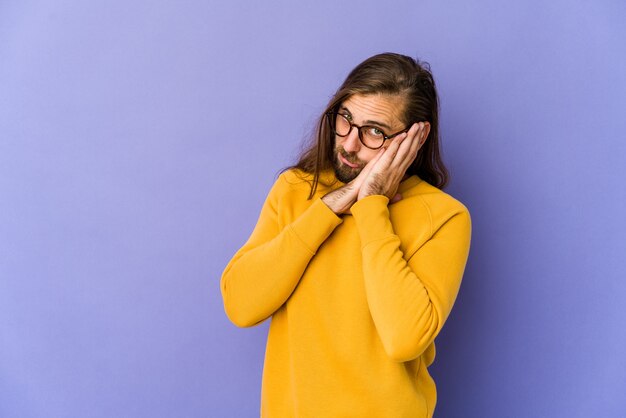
385, 177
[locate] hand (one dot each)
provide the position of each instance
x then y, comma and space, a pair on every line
341, 200
390, 167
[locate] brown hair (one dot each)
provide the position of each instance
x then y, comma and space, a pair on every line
391, 74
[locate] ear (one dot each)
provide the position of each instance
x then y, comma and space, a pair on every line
425, 134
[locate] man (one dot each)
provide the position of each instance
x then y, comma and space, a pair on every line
357, 255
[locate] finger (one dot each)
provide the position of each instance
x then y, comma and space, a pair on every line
392, 149
407, 148
368, 168
426, 132
413, 134
416, 144
396, 198
375, 160
420, 135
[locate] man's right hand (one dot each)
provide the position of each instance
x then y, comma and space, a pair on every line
341, 200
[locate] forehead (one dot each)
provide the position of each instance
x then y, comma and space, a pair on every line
383, 108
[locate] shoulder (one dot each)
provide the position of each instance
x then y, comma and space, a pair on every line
438, 200
440, 205
292, 183
295, 177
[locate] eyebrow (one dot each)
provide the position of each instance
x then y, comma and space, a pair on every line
368, 122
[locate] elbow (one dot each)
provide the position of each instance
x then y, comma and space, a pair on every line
403, 352
240, 316
236, 309
241, 320
407, 346
399, 356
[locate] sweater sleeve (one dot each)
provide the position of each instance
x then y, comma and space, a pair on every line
410, 296
264, 272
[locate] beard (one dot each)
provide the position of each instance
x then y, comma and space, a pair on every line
343, 172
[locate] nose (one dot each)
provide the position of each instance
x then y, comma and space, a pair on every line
351, 143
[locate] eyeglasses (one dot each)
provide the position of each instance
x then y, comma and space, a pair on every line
370, 136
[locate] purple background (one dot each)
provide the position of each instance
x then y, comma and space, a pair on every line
138, 141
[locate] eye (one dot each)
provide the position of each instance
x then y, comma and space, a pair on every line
347, 117
375, 132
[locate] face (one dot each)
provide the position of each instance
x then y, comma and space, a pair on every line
381, 111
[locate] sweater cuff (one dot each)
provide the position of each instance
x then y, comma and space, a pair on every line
371, 215
315, 225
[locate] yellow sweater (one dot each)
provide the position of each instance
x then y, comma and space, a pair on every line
356, 301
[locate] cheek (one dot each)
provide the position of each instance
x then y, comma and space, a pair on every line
367, 154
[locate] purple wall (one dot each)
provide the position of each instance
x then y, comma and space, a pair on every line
139, 139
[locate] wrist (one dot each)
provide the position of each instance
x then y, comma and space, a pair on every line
368, 192
340, 200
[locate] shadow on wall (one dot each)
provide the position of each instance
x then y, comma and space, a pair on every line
457, 367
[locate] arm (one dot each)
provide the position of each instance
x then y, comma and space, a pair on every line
264, 272
411, 297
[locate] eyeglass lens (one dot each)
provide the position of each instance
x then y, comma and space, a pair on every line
370, 136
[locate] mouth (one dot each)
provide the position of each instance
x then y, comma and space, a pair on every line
346, 162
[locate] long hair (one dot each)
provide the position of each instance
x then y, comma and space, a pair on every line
389, 74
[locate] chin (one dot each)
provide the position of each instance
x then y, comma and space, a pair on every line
346, 174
